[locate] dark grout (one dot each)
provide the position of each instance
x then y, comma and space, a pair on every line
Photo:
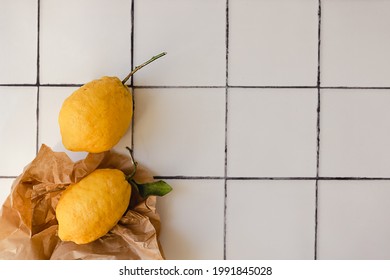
259, 178
199, 86
253, 178
37, 124
226, 131
38, 40
132, 67
38, 73
318, 131
132, 40
60, 85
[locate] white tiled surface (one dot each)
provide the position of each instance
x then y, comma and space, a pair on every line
354, 219
242, 117
276, 38
275, 135
355, 43
18, 48
82, 40
270, 219
198, 226
5, 188
191, 31
18, 128
189, 137
355, 133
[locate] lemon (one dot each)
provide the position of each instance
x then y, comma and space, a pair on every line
96, 116
90, 208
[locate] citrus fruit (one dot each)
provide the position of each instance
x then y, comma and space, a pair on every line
90, 208
96, 116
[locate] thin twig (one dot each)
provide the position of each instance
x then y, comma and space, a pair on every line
142, 65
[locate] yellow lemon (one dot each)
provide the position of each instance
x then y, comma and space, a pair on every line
96, 116
90, 208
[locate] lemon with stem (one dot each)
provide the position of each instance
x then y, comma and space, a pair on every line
90, 208
97, 115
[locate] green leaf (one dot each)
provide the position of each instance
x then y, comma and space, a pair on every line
159, 188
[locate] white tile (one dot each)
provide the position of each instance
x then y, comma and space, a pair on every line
272, 132
273, 43
51, 99
355, 43
355, 135
192, 218
193, 34
18, 48
17, 128
81, 41
5, 189
180, 131
353, 220
270, 219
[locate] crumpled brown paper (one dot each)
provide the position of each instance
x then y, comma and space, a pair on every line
28, 225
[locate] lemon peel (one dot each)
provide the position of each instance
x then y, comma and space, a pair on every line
97, 115
90, 208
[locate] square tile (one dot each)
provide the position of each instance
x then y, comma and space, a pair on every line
50, 102
355, 135
272, 132
81, 41
273, 43
5, 189
353, 220
270, 219
192, 220
193, 34
180, 131
18, 127
355, 43
18, 48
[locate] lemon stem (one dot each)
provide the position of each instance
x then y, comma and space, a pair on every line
159, 188
142, 65
131, 175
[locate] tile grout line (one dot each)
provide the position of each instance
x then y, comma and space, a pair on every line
192, 86
132, 67
226, 130
37, 124
318, 131
38, 78
246, 178
132, 40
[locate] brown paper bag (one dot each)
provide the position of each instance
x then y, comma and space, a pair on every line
28, 225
